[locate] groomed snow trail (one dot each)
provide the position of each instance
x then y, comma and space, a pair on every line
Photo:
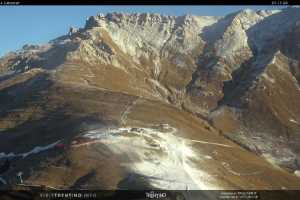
157, 154
35, 150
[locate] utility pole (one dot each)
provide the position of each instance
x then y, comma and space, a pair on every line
19, 175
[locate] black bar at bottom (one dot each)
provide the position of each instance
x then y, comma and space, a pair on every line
152, 194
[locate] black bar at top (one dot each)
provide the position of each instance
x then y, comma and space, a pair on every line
149, 2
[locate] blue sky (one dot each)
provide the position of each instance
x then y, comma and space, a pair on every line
21, 25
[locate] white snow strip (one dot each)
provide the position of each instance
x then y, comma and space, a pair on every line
268, 78
35, 150
167, 161
3, 181
208, 157
212, 143
4, 155
39, 149
271, 160
297, 173
294, 121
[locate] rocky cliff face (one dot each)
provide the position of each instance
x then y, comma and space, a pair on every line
238, 74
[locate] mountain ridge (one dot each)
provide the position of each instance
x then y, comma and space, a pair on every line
237, 74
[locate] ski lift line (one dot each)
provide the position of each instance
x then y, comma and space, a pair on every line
212, 143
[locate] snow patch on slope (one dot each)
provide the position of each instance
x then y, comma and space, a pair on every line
35, 150
294, 121
168, 161
268, 78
